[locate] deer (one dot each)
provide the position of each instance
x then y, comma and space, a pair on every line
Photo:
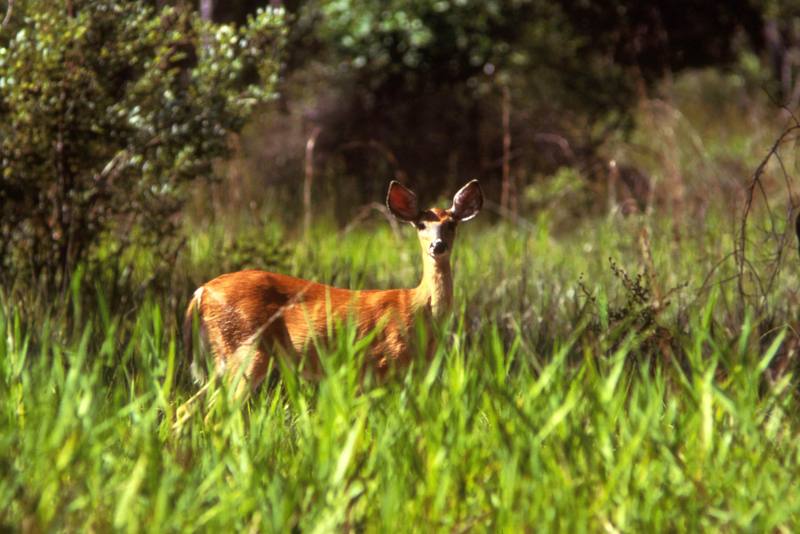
248, 317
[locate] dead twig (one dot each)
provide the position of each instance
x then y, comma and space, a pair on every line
743, 265
399, 173
309, 178
506, 193
365, 211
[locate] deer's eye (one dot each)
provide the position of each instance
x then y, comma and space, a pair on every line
420, 226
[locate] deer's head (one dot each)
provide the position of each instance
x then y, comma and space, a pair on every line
436, 227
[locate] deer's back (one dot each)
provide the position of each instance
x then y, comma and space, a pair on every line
261, 307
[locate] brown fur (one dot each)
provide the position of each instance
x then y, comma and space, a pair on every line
251, 314
247, 317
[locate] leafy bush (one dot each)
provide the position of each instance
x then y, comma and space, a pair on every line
109, 111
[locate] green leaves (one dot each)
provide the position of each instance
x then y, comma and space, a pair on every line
385, 39
107, 115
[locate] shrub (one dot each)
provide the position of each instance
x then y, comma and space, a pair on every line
109, 111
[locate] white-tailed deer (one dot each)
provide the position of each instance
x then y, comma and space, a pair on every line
247, 317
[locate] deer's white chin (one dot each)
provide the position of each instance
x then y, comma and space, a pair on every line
439, 257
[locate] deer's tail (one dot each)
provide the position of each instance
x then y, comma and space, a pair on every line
192, 318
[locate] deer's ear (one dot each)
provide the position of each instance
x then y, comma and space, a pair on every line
467, 202
402, 202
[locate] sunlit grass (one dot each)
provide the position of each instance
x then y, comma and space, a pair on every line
534, 413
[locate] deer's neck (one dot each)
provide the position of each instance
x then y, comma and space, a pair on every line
435, 291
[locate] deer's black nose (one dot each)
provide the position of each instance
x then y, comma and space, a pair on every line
438, 247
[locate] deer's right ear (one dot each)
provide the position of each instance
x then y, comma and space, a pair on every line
402, 202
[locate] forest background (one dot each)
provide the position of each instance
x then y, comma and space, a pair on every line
624, 346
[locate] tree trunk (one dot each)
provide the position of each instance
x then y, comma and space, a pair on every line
505, 195
207, 10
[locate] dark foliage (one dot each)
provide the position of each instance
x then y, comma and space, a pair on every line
414, 89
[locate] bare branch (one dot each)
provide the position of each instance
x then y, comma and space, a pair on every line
740, 248
309, 177
9, 12
399, 173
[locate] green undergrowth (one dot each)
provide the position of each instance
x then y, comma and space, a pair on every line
565, 394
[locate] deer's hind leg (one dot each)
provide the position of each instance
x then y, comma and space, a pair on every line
248, 366
257, 358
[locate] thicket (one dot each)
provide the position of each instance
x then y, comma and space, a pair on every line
110, 112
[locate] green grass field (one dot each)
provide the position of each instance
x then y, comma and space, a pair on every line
554, 402
568, 392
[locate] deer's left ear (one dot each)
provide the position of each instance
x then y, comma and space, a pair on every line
467, 202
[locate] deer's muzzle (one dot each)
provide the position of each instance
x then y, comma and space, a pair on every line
437, 248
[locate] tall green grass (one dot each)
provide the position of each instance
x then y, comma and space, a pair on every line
540, 410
